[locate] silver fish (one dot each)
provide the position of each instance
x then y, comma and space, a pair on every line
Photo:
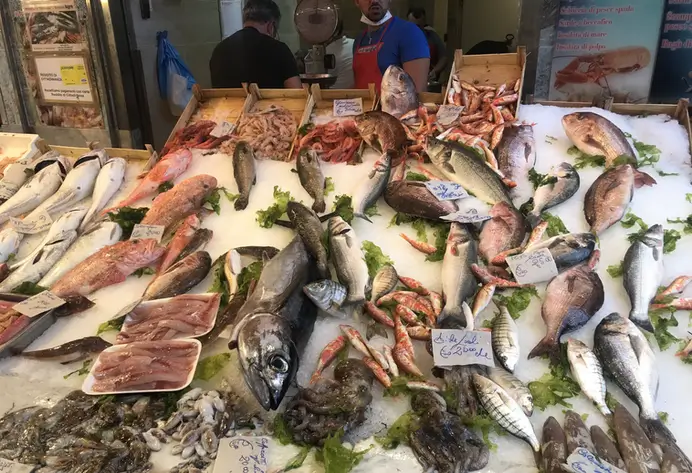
74, 350
107, 233
505, 339
9, 243
642, 274
514, 387
577, 434
505, 411
398, 92
328, 295
554, 450
40, 187
516, 153
17, 174
348, 259
312, 178
244, 173
384, 282
308, 225
559, 184
108, 182
567, 250
458, 281
626, 356
587, 371
369, 191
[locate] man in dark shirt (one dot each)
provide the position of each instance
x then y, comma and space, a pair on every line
253, 55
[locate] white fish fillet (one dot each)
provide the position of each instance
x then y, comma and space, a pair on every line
109, 180
9, 243
39, 188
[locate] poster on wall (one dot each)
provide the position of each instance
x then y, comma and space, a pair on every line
53, 26
63, 80
605, 48
673, 74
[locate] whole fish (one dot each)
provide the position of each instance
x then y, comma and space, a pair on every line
106, 234
348, 259
595, 135
179, 278
9, 243
369, 191
458, 281
554, 449
674, 460
568, 250
308, 225
413, 198
559, 184
607, 199
577, 434
516, 153
638, 453
311, 178
605, 448
513, 386
17, 173
571, 299
182, 237
642, 274
185, 198
505, 339
504, 231
110, 265
274, 325
328, 295
382, 131
398, 92
198, 242
108, 182
587, 371
244, 173
40, 187
384, 282
462, 164
76, 350
627, 358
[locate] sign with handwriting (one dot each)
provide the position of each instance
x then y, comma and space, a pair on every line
8, 466
446, 190
583, 461
533, 267
243, 455
38, 304
348, 107
446, 114
36, 224
452, 347
142, 232
7, 189
222, 129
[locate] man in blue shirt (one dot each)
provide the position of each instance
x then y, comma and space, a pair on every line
388, 40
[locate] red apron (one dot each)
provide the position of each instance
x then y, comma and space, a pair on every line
365, 68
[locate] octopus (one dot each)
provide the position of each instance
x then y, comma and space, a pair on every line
441, 441
329, 406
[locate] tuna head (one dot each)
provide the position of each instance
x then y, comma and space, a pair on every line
268, 357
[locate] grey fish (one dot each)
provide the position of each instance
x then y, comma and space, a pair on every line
458, 281
384, 282
513, 386
179, 278
516, 153
382, 131
40, 187
463, 165
587, 371
75, 350
258, 252
311, 177
638, 453
505, 339
369, 191
576, 432
348, 259
605, 448
199, 242
398, 92
554, 449
595, 135
413, 198
275, 323
560, 184
628, 359
571, 299
568, 250
307, 224
643, 273
225, 318
328, 295
244, 173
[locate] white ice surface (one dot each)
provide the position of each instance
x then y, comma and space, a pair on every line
27, 382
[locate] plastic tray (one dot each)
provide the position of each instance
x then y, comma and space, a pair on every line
23, 146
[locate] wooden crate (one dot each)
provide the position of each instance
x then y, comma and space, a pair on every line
294, 100
431, 97
321, 102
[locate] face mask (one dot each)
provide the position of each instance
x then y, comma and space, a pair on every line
369, 22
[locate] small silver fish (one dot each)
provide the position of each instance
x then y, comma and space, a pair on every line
588, 372
348, 259
505, 339
328, 295
642, 274
514, 387
559, 185
9, 243
108, 181
384, 282
370, 190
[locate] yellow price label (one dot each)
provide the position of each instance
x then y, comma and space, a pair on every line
73, 75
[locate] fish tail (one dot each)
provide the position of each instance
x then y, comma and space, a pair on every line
533, 219
657, 432
642, 321
643, 179
547, 346
319, 206
323, 270
452, 314
354, 299
241, 202
363, 216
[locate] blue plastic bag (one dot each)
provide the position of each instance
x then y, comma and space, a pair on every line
175, 79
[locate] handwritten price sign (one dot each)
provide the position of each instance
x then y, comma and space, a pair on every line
446, 114
142, 232
583, 461
243, 455
38, 304
533, 267
222, 129
40, 222
461, 347
8, 466
446, 190
347, 107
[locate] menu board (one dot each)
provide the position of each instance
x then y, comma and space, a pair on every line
673, 73
605, 47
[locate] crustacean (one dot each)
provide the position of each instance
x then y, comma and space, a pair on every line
592, 68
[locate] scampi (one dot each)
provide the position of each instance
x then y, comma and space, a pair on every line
108, 182
311, 178
371, 189
556, 187
244, 173
642, 274
348, 259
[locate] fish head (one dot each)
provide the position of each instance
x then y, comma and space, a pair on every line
653, 238
296, 210
71, 219
320, 292
614, 324
398, 85
576, 350
585, 131
565, 171
384, 163
458, 234
338, 226
268, 357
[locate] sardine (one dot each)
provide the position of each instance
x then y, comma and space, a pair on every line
312, 178
307, 224
9, 243
413, 198
595, 135
504, 231
382, 131
516, 153
40, 187
398, 92
371, 189
576, 432
568, 250
560, 184
348, 259
505, 339
185, 198
627, 358
458, 281
180, 278
638, 453
108, 182
605, 448
554, 450
75, 350
244, 173
328, 295
384, 282
587, 371
513, 386
643, 273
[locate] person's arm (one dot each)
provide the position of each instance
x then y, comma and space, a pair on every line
288, 69
415, 56
441, 54
418, 70
293, 83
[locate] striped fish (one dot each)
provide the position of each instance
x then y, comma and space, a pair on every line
505, 339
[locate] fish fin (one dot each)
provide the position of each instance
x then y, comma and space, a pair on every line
448, 167
284, 223
642, 322
354, 299
363, 216
326, 217
62, 199
319, 206
241, 203
657, 432
637, 345
546, 346
642, 179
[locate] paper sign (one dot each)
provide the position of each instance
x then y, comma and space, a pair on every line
348, 107
141, 232
7, 189
452, 347
446, 114
222, 129
243, 455
533, 267
63, 79
583, 461
446, 190
8, 466
74, 74
38, 304
36, 224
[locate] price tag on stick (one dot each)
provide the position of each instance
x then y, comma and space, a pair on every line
142, 232
533, 267
348, 107
36, 224
38, 304
243, 455
446, 190
222, 129
452, 347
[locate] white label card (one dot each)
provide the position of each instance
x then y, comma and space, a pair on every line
583, 461
8, 466
38, 304
453, 347
35, 224
243, 455
142, 232
222, 129
448, 113
348, 107
7, 189
446, 190
533, 267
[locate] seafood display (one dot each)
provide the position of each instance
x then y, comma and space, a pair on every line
334, 142
198, 135
269, 132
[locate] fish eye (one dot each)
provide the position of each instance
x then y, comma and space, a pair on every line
278, 364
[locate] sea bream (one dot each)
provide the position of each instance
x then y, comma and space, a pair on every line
244, 173
458, 281
371, 189
513, 386
184, 199
595, 135
398, 92
348, 259
311, 177
505, 230
642, 274
413, 198
505, 339
556, 187
587, 371
382, 131
516, 153
108, 182
275, 323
